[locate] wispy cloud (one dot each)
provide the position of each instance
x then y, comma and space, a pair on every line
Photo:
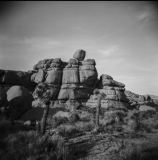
109, 50
79, 29
147, 13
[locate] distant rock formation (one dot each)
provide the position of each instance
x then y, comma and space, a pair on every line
136, 99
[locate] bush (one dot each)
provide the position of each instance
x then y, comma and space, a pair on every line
30, 145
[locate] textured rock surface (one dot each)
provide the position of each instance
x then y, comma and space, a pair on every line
80, 55
136, 99
146, 108
19, 99
70, 84
114, 91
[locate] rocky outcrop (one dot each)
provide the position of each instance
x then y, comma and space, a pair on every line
69, 81
70, 85
136, 99
20, 100
114, 94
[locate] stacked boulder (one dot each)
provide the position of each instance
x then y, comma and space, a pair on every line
77, 80
69, 81
114, 94
48, 71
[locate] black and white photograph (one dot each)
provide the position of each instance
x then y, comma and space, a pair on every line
78, 80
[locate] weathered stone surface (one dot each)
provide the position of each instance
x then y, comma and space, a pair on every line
108, 82
70, 76
105, 76
80, 54
88, 77
73, 61
108, 104
77, 93
136, 99
54, 76
41, 64
87, 62
107, 92
87, 67
39, 76
20, 100
146, 108
121, 96
141, 98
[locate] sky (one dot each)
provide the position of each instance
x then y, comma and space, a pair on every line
121, 36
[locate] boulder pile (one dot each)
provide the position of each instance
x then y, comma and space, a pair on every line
70, 82
70, 86
114, 94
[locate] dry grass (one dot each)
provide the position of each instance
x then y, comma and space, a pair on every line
29, 145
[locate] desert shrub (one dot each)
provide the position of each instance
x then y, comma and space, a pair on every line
30, 145
5, 128
67, 130
85, 116
53, 122
147, 114
84, 126
151, 122
74, 118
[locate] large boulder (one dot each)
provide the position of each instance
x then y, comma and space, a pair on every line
39, 76
19, 99
54, 76
146, 108
87, 72
79, 55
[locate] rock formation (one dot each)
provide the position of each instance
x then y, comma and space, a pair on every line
70, 83
114, 91
20, 100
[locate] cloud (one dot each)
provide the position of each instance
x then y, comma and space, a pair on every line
80, 28
109, 50
147, 13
